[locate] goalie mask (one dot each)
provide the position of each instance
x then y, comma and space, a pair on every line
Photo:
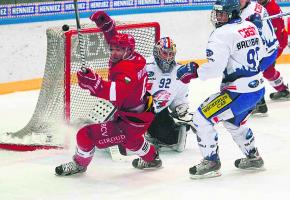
224, 11
122, 46
164, 53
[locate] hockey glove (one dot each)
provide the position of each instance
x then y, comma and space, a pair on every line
187, 72
256, 19
103, 21
89, 81
181, 110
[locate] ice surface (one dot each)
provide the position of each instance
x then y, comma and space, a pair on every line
30, 175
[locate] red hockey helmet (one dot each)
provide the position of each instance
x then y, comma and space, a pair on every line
123, 40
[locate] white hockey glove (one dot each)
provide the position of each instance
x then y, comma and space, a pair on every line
181, 110
181, 115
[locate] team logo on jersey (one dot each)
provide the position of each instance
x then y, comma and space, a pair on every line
247, 32
161, 98
254, 84
258, 8
209, 53
127, 80
150, 73
149, 86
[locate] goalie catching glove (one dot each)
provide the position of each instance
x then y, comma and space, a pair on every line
89, 80
187, 72
181, 110
181, 114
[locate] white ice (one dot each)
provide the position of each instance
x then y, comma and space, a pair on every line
30, 175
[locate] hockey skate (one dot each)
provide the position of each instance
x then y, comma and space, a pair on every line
69, 169
252, 161
261, 109
139, 163
280, 95
205, 169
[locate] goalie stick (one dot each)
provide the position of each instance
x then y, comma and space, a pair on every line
117, 152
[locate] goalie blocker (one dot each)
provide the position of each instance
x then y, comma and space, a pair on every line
168, 132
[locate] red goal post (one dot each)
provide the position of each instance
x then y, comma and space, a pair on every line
61, 101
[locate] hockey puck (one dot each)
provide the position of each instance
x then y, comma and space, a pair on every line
65, 27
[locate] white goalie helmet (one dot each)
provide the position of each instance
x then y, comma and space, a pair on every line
164, 53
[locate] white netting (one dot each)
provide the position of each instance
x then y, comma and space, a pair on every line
60, 96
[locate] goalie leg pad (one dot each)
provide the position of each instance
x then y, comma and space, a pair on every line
182, 135
164, 129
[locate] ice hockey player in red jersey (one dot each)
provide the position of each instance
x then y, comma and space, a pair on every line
272, 74
125, 88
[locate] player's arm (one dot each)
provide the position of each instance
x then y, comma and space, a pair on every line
115, 91
217, 53
268, 33
105, 23
180, 102
118, 90
268, 59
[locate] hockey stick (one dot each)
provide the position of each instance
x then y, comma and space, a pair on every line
277, 16
80, 37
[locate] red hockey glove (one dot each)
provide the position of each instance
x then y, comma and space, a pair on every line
89, 81
103, 21
187, 72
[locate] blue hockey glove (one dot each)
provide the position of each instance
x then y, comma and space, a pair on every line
257, 20
187, 72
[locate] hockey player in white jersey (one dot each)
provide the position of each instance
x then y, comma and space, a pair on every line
249, 11
234, 52
170, 98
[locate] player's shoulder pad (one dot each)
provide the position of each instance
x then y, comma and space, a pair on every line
222, 34
136, 61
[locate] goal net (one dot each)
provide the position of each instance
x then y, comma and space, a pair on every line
61, 101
